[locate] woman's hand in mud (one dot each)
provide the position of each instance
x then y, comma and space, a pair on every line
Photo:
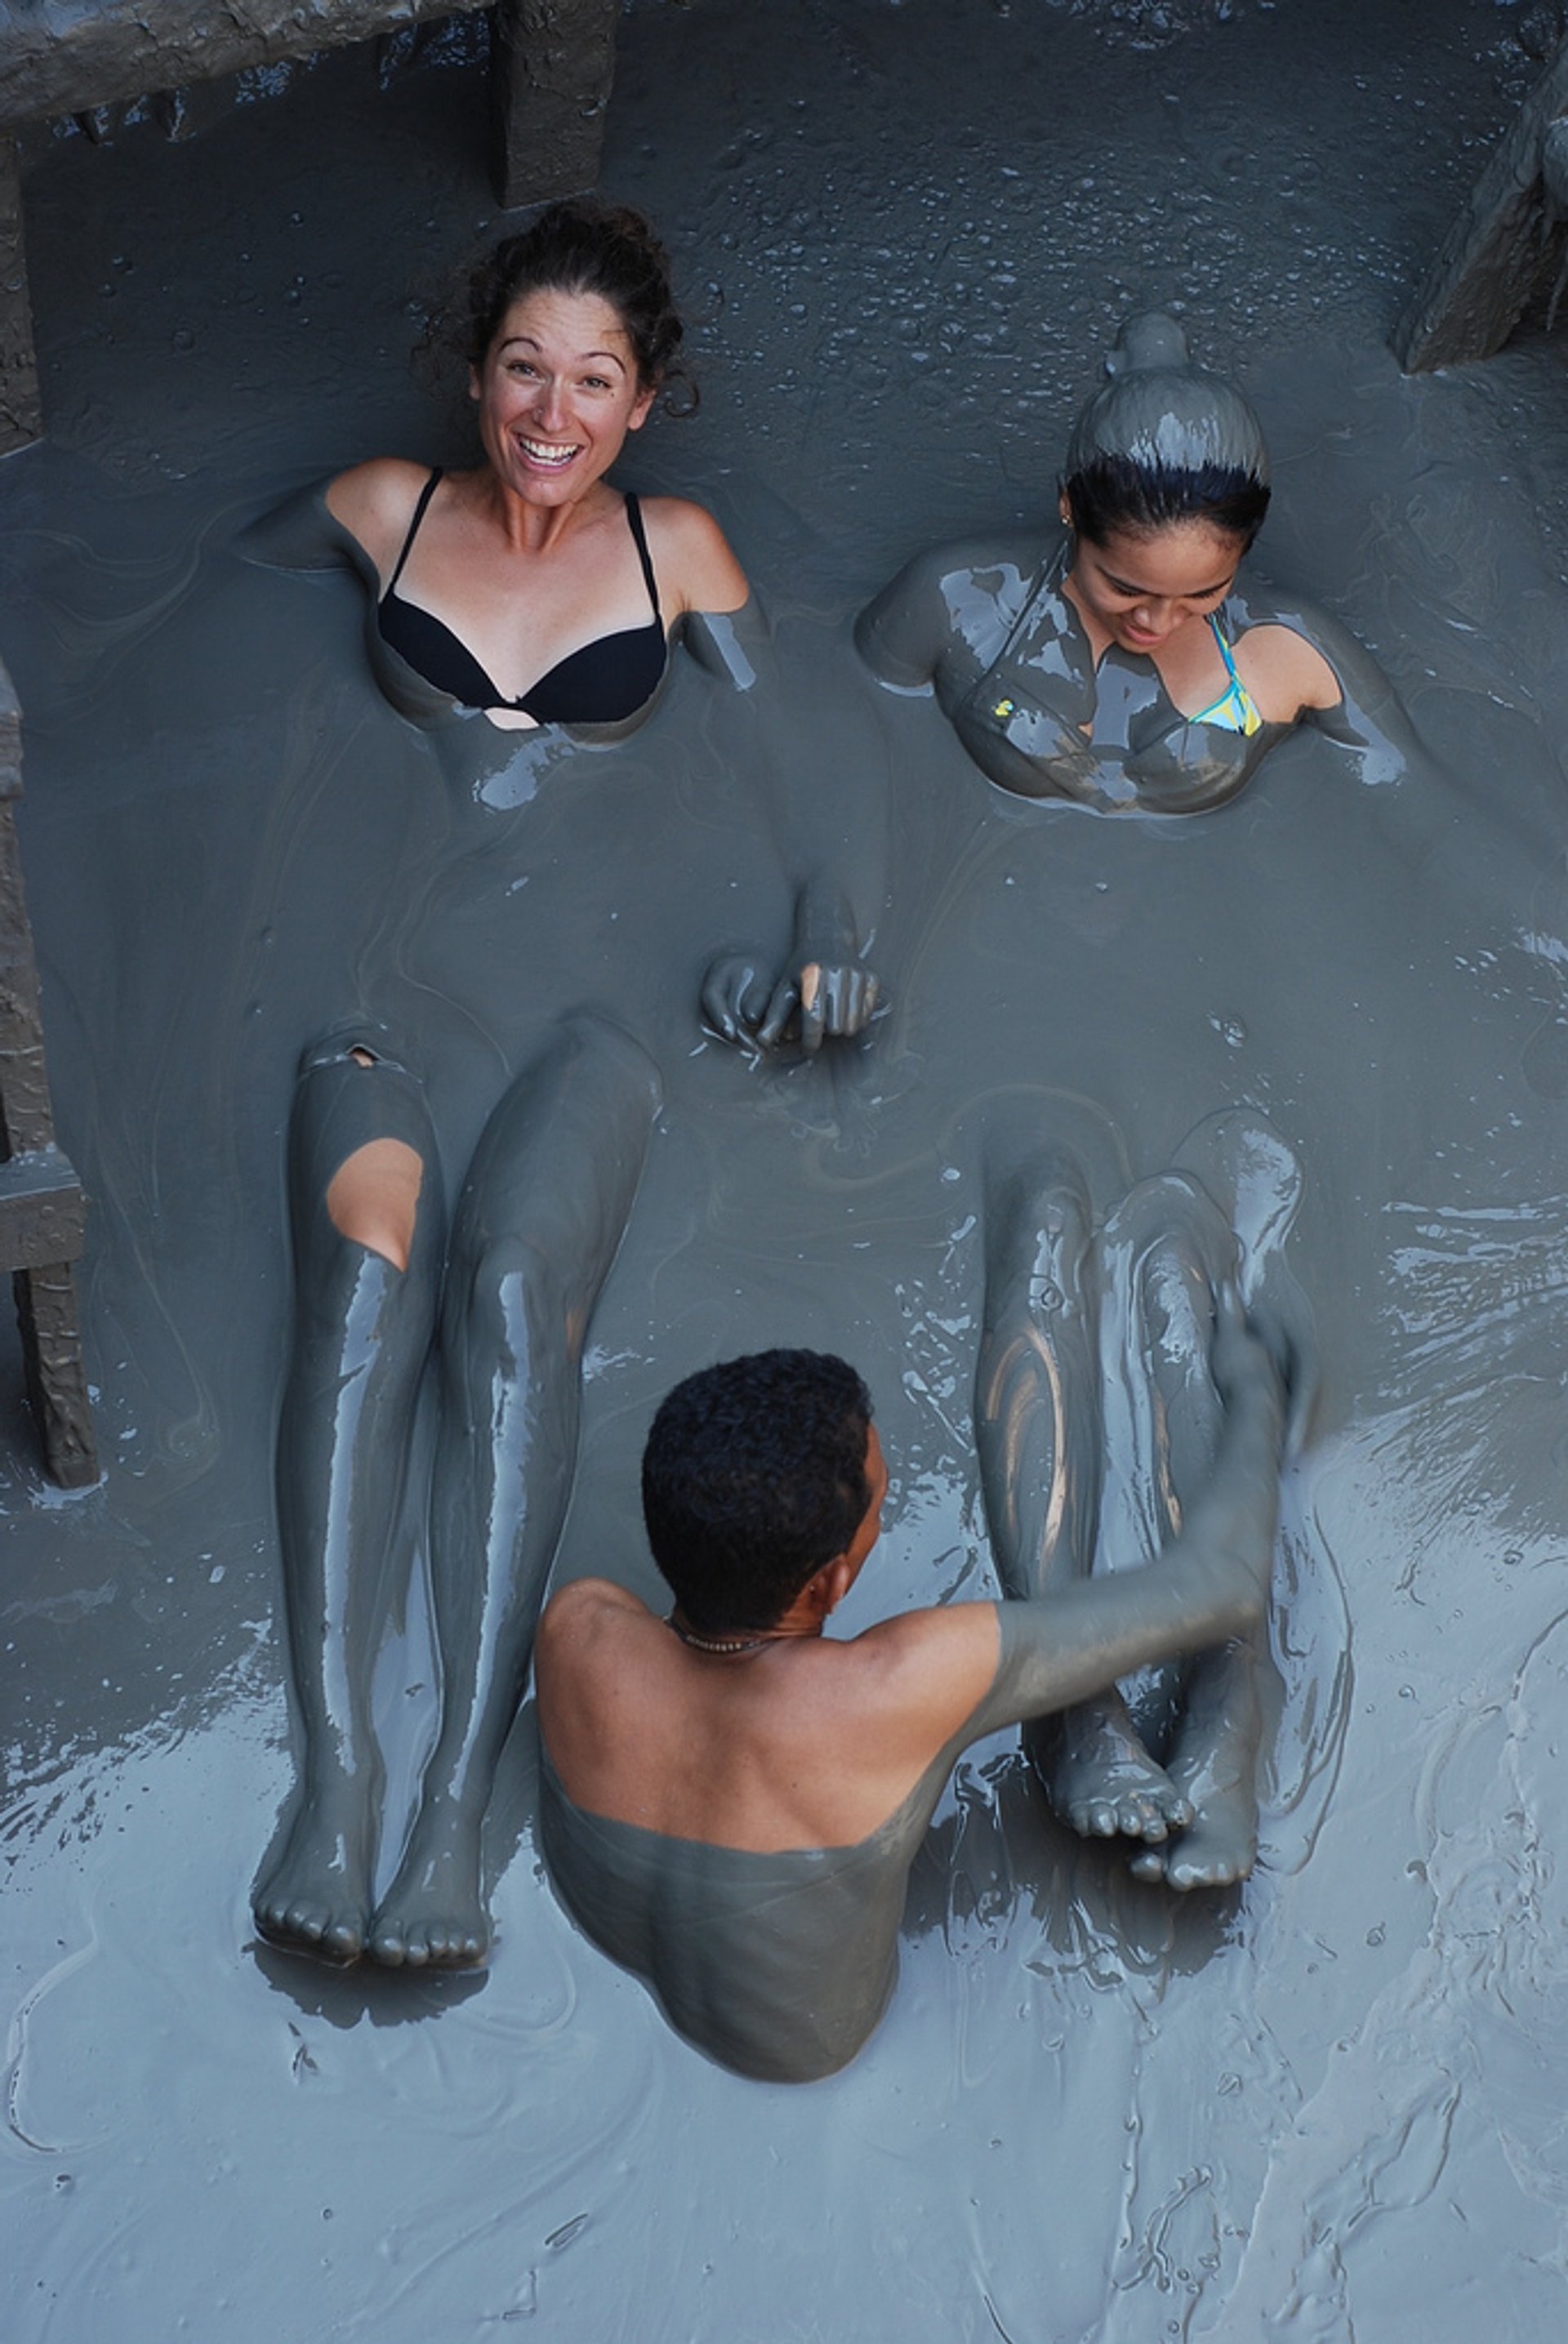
827, 1001
812, 1003
736, 991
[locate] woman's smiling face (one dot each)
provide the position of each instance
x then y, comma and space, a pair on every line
557, 392
1141, 585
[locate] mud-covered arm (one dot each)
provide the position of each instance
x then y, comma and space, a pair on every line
903, 635
948, 613
1426, 827
828, 855
301, 534
1368, 717
1210, 1582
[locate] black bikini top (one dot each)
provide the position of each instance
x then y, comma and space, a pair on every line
602, 683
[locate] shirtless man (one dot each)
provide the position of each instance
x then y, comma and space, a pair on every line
731, 1802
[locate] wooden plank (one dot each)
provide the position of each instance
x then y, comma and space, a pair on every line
10, 737
42, 1212
1506, 247
21, 414
43, 1215
56, 1384
75, 54
26, 1124
552, 64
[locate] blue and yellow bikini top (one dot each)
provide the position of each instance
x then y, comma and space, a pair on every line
1235, 711
1045, 719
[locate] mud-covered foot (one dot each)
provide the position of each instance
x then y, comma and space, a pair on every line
433, 1916
1102, 1780
1218, 1846
314, 1897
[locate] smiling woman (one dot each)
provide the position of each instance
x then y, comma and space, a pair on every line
1123, 666
527, 587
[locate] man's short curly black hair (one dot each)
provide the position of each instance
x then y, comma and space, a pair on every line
753, 1477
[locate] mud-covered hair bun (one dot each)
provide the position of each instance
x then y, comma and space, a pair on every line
1163, 441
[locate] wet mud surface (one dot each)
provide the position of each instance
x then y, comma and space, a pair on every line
1326, 2107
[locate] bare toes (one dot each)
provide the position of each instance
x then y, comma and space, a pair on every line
315, 1895
302, 1929
435, 1946
1212, 1872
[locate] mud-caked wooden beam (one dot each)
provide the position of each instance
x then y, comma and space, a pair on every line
42, 1213
551, 68
21, 417
74, 56
1508, 247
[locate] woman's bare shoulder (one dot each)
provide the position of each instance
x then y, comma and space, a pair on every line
1292, 654
693, 560
374, 501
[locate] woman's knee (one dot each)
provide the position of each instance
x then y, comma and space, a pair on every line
514, 1299
373, 1198
362, 1148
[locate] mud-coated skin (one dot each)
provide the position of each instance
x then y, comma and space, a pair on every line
361, 1332
986, 625
536, 1227
778, 1967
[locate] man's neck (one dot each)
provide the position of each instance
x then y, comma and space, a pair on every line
726, 1642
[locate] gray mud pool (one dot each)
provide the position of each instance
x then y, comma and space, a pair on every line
1328, 2107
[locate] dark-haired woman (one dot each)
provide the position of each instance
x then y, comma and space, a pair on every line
530, 590
1125, 665
527, 587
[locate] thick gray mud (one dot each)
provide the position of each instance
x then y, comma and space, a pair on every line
1325, 2106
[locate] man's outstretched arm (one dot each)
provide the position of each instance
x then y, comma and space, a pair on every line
1210, 1582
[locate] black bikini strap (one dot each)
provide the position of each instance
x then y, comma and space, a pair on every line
426, 493
640, 538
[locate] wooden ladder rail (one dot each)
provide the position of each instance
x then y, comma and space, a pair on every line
42, 1213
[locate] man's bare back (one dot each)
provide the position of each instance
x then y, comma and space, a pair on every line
732, 1805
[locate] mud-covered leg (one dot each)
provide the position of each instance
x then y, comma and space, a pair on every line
1252, 1174
1037, 1431
1188, 1254
365, 1211
537, 1227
